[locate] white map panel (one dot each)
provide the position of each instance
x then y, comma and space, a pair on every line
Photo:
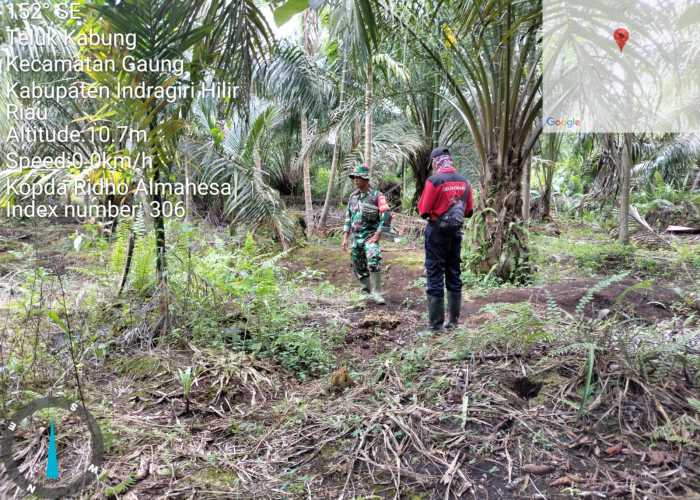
590, 85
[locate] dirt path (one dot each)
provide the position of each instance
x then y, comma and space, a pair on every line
652, 303
404, 288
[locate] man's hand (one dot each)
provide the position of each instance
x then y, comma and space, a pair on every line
374, 238
345, 242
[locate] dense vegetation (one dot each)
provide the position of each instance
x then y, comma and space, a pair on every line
208, 342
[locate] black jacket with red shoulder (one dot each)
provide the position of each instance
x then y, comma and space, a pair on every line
441, 190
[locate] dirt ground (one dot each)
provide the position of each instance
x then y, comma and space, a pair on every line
404, 282
256, 430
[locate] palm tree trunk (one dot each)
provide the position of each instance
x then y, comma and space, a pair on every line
158, 219
421, 168
696, 182
161, 264
527, 172
547, 201
188, 193
546, 207
331, 182
336, 152
625, 174
257, 165
436, 113
310, 25
129, 257
502, 243
368, 116
308, 203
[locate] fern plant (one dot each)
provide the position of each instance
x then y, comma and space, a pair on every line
597, 288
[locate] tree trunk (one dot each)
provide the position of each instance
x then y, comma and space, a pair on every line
127, 262
625, 174
696, 182
331, 181
310, 33
188, 193
500, 237
436, 113
421, 168
368, 117
257, 165
336, 152
527, 172
547, 202
161, 261
308, 204
357, 133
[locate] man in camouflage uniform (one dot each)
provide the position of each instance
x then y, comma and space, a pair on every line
367, 216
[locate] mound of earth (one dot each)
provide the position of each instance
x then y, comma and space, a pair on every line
651, 303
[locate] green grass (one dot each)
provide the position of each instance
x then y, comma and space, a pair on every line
514, 327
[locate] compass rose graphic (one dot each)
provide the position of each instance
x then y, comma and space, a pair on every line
59, 478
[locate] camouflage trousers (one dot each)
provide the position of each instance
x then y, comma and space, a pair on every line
366, 257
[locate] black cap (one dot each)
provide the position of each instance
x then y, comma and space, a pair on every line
439, 151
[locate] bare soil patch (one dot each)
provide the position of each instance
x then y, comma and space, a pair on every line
652, 303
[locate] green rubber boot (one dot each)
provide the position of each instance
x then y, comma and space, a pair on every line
365, 284
454, 308
375, 280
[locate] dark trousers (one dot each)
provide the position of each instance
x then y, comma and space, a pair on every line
442, 259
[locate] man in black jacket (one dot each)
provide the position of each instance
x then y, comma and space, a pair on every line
446, 200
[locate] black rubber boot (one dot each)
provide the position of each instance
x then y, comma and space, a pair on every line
454, 307
365, 284
436, 312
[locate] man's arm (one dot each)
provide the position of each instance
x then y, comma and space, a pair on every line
427, 200
384, 217
346, 227
469, 205
384, 211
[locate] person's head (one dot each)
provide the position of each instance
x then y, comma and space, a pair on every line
360, 177
440, 157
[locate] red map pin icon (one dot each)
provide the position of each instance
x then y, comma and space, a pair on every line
621, 35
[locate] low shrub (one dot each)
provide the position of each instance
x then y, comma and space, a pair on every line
226, 295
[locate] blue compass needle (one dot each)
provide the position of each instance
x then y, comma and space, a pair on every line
52, 462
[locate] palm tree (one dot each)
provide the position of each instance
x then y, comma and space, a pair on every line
351, 23
489, 60
547, 167
292, 77
672, 156
625, 163
215, 39
236, 156
436, 120
337, 142
310, 47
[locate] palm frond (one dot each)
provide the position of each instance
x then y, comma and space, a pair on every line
290, 77
674, 158
393, 143
231, 160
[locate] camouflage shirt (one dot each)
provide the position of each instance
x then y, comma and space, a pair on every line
368, 212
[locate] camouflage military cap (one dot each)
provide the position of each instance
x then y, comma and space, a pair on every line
360, 171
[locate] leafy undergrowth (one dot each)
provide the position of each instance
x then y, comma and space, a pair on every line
527, 399
588, 251
534, 401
